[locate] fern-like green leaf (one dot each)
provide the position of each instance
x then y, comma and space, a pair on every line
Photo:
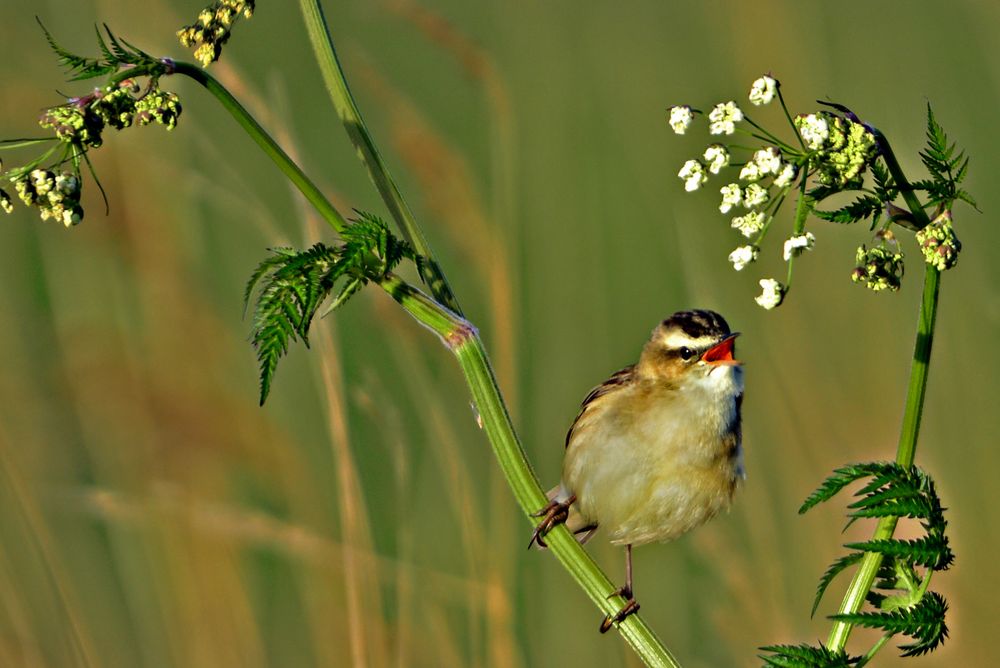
948, 166
924, 622
805, 656
833, 571
863, 207
885, 187
292, 285
840, 479
932, 551
79, 67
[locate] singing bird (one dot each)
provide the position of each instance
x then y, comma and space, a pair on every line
656, 449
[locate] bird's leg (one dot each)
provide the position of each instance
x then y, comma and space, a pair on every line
631, 605
554, 514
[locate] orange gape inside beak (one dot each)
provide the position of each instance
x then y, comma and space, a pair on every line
721, 352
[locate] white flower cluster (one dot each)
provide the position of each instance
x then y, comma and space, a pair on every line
680, 118
723, 118
786, 175
743, 256
717, 157
693, 174
772, 293
732, 195
750, 224
795, 246
763, 90
754, 196
814, 130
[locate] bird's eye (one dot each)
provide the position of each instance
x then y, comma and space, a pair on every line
686, 353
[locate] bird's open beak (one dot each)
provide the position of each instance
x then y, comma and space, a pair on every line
722, 352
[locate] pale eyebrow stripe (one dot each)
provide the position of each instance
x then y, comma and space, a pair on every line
678, 339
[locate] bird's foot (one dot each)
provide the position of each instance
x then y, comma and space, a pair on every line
553, 514
631, 607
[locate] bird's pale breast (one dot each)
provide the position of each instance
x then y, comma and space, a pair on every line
651, 461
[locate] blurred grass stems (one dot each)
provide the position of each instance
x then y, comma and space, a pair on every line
462, 338
459, 335
347, 110
916, 391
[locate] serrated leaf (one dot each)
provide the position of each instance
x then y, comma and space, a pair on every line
861, 208
840, 479
292, 285
924, 622
932, 551
805, 656
947, 165
833, 571
820, 192
79, 67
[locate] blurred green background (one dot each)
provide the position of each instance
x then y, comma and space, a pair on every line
151, 514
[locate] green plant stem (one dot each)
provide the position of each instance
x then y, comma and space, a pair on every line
462, 339
802, 209
915, 394
350, 115
270, 147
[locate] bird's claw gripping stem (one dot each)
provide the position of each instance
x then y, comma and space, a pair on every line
631, 607
553, 514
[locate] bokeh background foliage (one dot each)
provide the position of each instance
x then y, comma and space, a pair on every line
151, 514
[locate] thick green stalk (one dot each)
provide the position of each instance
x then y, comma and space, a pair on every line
864, 578
266, 143
461, 337
347, 110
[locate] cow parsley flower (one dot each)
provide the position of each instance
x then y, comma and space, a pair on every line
693, 175
732, 195
723, 118
750, 172
786, 175
796, 245
768, 160
772, 293
743, 256
680, 118
762, 91
750, 224
813, 129
717, 157
754, 196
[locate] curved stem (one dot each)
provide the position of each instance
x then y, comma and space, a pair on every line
462, 339
347, 110
865, 575
914, 407
270, 147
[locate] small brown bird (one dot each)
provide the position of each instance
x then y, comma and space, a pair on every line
655, 450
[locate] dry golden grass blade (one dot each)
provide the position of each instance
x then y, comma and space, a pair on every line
50, 582
364, 615
229, 524
446, 447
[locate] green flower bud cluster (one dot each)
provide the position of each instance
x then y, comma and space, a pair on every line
939, 244
57, 196
213, 28
158, 106
115, 108
83, 120
844, 151
74, 124
880, 267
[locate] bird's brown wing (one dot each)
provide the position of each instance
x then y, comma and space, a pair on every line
617, 380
